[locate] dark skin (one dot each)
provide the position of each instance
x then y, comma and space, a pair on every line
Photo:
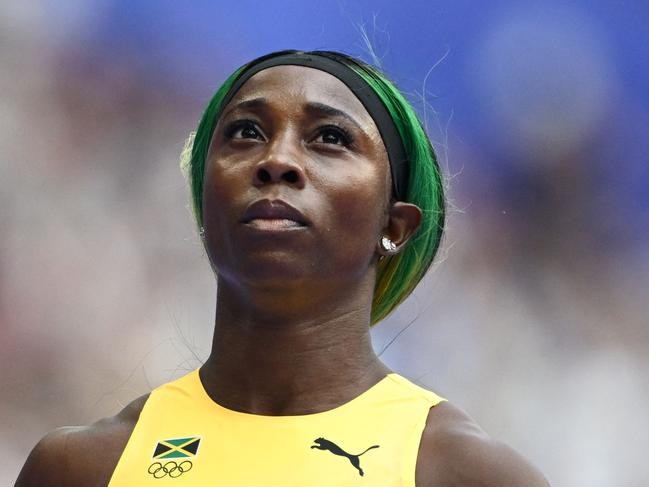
295, 297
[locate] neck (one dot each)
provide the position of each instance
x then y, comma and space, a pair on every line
286, 353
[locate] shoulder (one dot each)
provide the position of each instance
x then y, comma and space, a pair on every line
454, 450
81, 456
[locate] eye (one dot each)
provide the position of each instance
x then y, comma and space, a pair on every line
242, 129
334, 135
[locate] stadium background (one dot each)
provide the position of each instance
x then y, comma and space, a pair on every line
535, 320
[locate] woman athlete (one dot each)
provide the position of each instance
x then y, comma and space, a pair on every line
320, 204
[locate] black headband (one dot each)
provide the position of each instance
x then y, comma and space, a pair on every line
370, 100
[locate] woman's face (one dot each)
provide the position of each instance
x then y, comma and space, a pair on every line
297, 182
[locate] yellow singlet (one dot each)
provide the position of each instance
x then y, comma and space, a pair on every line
183, 438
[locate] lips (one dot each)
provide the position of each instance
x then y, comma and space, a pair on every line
274, 214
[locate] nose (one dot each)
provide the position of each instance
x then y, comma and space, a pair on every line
279, 165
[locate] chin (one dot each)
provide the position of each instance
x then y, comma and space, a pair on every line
268, 271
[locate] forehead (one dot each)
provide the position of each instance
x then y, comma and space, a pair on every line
301, 83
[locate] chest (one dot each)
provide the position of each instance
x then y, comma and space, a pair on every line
370, 450
183, 438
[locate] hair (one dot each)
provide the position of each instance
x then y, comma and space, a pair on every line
397, 275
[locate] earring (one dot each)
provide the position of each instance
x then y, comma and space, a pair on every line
201, 232
388, 245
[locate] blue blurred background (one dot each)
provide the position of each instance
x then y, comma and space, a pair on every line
535, 318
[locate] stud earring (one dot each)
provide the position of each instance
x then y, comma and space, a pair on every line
388, 245
201, 232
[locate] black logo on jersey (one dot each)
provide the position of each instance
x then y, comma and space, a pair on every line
171, 468
324, 444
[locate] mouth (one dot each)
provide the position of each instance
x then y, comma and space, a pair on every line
273, 223
273, 215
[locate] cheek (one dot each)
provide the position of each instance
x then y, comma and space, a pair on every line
358, 212
223, 186
218, 210
215, 198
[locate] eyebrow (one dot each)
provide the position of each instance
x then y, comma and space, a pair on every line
322, 109
313, 107
252, 103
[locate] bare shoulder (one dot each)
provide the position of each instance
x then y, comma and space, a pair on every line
81, 456
455, 451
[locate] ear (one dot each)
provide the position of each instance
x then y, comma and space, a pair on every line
404, 220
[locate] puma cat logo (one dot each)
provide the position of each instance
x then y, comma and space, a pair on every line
324, 444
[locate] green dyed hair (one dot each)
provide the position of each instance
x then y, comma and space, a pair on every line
397, 275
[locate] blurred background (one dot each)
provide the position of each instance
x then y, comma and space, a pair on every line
535, 319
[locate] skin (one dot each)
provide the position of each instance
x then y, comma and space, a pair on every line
297, 299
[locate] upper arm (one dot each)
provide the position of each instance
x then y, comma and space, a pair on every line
455, 451
46, 463
484, 462
87, 455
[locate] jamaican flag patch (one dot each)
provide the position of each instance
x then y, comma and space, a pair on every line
177, 448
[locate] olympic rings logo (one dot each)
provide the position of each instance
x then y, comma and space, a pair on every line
171, 468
